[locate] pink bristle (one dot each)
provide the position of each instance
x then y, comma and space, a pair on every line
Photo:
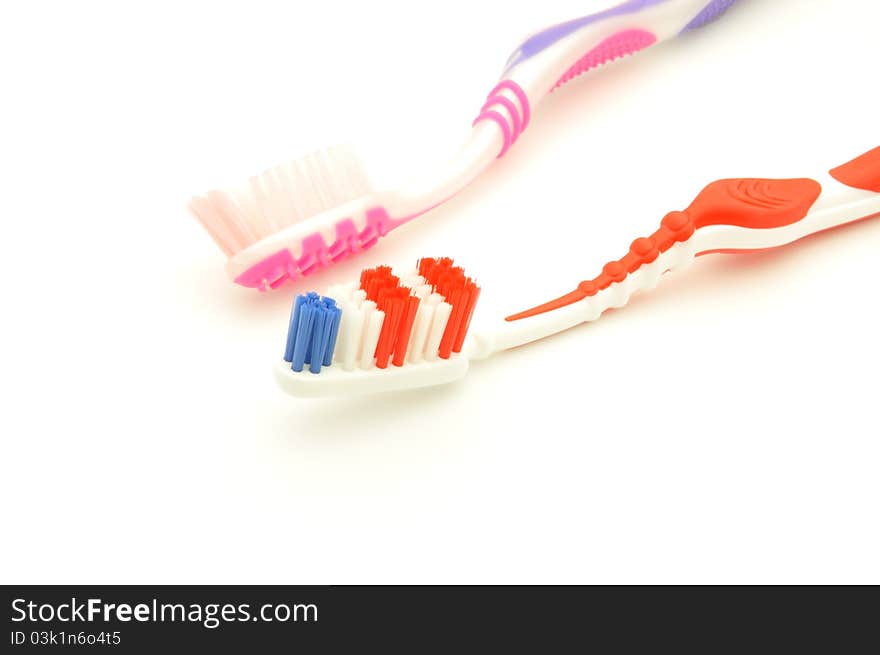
280, 197
214, 225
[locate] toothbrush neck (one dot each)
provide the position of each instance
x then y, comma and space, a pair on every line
433, 188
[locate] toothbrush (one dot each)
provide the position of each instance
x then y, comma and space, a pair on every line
411, 330
296, 219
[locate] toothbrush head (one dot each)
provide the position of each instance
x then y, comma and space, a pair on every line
386, 332
315, 201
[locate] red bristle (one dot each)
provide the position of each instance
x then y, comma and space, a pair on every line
455, 299
383, 272
400, 307
460, 291
366, 276
390, 297
433, 269
405, 330
374, 280
393, 308
423, 265
472, 297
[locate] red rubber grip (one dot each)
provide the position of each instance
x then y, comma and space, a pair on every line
862, 172
748, 202
754, 203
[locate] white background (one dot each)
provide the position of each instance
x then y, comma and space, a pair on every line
722, 429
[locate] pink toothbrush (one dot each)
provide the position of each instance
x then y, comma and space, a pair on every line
295, 219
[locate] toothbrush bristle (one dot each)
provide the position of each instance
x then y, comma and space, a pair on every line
280, 197
312, 333
387, 318
460, 291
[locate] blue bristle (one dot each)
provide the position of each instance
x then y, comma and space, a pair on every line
311, 337
304, 326
336, 314
291, 328
319, 340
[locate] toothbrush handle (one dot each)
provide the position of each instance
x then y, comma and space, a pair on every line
863, 172
662, 18
558, 54
729, 216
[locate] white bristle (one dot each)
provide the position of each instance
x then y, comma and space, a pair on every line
368, 307
412, 280
424, 316
280, 197
338, 293
350, 328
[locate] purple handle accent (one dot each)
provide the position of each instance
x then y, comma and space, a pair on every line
711, 12
546, 38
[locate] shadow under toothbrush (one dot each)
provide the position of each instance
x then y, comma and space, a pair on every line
354, 418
